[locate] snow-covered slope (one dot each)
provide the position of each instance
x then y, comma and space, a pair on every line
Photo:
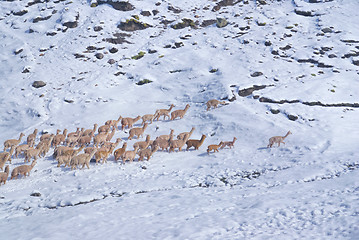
279, 65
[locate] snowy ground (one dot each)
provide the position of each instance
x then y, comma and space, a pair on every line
308, 65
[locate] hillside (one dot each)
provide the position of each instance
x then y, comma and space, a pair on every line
279, 66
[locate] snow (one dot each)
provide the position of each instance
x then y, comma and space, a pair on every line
307, 188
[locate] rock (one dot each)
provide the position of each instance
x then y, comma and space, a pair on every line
186, 22
274, 111
303, 13
144, 81
146, 13
133, 25
120, 6
221, 22
292, 117
327, 30
268, 43
111, 61
35, 194
155, 12
97, 28
248, 91
224, 3
99, 55
179, 44
256, 74
38, 84
113, 50
207, 23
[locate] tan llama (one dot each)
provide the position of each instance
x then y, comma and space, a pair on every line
148, 117
178, 143
164, 112
31, 138
214, 103
179, 113
167, 137
229, 144
20, 149
66, 156
195, 143
113, 123
88, 132
4, 157
119, 152
111, 134
4, 175
214, 147
128, 122
22, 170
277, 139
85, 140
99, 139
103, 154
137, 131
143, 144
129, 155
12, 142
104, 129
181, 135
147, 153
162, 143
82, 159
59, 138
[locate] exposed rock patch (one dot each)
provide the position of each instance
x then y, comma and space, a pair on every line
38, 84
120, 6
133, 25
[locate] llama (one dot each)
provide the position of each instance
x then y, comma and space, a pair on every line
148, 117
113, 123
103, 154
179, 113
143, 144
21, 148
104, 128
128, 122
85, 140
277, 139
164, 112
119, 152
147, 153
110, 135
195, 143
59, 138
88, 132
22, 170
229, 144
99, 139
137, 131
4, 175
12, 142
214, 103
31, 138
178, 143
66, 156
129, 155
181, 135
162, 143
214, 147
4, 157
82, 159
167, 137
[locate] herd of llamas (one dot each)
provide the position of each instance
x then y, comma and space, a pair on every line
68, 146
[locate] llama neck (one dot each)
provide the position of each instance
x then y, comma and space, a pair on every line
286, 135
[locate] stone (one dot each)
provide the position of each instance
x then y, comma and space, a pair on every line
221, 22
99, 55
38, 84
